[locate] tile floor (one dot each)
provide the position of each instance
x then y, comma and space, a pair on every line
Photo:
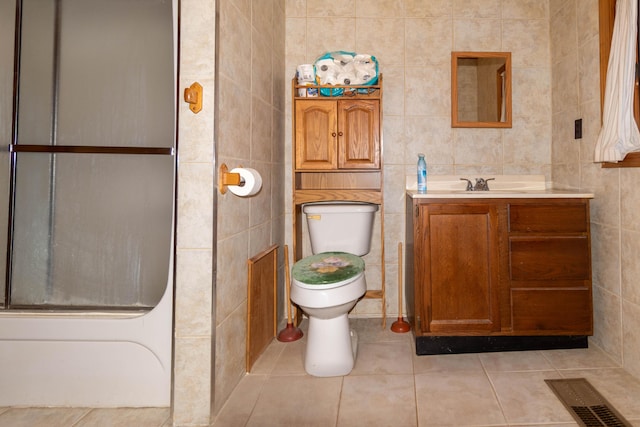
389, 386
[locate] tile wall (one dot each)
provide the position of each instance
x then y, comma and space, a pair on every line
216, 233
250, 133
615, 210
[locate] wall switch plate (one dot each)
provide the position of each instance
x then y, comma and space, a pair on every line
578, 129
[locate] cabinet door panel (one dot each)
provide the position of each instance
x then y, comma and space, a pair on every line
550, 258
359, 134
462, 253
552, 310
316, 135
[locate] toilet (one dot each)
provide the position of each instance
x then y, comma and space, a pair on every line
329, 283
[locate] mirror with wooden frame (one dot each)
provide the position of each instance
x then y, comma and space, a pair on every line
481, 89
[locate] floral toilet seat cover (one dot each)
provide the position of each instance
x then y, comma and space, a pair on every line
327, 267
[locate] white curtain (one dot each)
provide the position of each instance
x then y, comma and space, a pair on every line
619, 134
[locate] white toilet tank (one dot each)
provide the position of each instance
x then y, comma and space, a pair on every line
340, 226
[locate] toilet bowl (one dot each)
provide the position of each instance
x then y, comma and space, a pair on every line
326, 287
329, 283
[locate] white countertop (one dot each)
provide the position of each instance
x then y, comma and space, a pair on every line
502, 186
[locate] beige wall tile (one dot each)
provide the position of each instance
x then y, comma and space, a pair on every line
525, 9
606, 257
261, 131
605, 184
589, 70
477, 35
230, 363
234, 126
192, 388
630, 267
261, 67
381, 8
631, 343
296, 40
383, 38
231, 281
563, 32
262, 18
393, 93
330, 34
296, 8
427, 91
476, 9
630, 199
432, 136
556, 5
195, 201
478, 146
235, 46
393, 130
316, 8
193, 304
528, 40
427, 8
607, 322
564, 88
428, 42
588, 20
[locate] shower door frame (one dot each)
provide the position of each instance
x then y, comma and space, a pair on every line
53, 149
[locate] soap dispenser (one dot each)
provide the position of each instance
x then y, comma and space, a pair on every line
422, 174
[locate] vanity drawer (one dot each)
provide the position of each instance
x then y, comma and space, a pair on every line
552, 310
548, 218
549, 258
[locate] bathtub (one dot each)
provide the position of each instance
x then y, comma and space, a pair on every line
88, 359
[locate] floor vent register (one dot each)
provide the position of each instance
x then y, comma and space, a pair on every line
588, 407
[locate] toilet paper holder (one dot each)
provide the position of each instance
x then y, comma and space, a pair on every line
226, 178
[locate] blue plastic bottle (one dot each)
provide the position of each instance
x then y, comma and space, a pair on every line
422, 174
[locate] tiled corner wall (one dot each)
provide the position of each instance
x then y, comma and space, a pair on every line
251, 134
413, 41
615, 210
216, 234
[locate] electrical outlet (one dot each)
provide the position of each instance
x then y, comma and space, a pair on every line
578, 129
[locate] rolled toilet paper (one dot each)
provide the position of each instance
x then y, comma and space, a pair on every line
252, 182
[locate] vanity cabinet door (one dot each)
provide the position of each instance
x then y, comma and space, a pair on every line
458, 245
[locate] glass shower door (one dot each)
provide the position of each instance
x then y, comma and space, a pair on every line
92, 156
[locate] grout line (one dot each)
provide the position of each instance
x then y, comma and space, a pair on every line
493, 388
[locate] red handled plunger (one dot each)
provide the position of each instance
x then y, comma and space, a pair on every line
400, 326
289, 333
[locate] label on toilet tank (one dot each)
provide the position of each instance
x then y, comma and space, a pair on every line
327, 267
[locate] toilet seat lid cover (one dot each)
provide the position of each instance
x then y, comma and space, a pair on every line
327, 267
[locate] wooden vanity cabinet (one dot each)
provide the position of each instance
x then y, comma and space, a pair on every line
515, 267
337, 134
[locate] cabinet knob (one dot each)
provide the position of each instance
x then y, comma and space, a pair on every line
340, 134
333, 134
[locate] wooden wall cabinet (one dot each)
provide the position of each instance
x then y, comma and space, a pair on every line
337, 134
491, 267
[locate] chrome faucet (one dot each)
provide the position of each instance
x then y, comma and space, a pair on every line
482, 184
